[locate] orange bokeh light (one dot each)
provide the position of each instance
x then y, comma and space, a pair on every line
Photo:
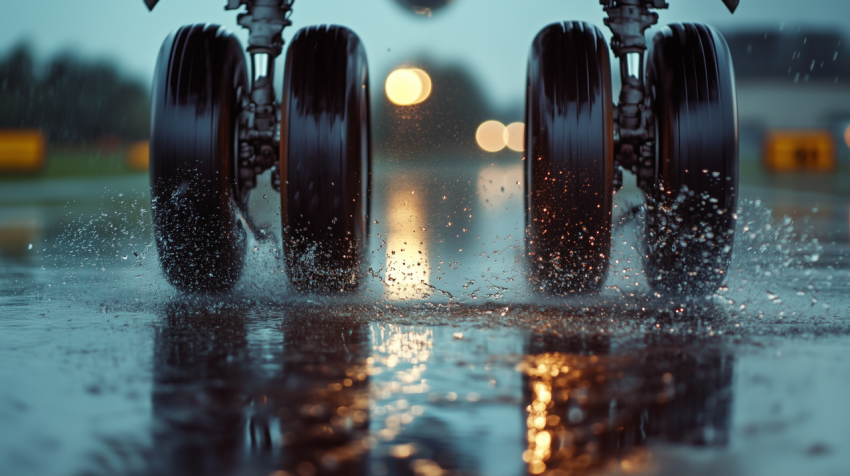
491, 136
408, 86
425, 80
514, 136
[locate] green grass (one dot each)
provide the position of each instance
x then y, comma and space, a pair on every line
77, 161
68, 162
837, 182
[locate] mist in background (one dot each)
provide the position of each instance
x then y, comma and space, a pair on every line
490, 37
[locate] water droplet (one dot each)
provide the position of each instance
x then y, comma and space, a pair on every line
576, 415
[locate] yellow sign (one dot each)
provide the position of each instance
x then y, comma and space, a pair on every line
799, 151
21, 150
138, 155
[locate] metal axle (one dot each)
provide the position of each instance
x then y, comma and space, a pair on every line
259, 131
634, 124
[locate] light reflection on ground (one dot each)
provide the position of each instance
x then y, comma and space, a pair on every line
408, 271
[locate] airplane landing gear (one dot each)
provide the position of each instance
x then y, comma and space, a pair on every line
674, 128
214, 131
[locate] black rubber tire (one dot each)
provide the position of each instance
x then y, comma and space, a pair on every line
325, 159
569, 168
199, 236
690, 217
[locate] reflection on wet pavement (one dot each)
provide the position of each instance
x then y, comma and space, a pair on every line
446, 363
198, 391
229, 396
408, 272
320, 391
590, 407
19, 229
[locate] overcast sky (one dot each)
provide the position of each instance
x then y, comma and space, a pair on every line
492, 37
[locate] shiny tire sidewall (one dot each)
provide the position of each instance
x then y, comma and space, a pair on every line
690, 217
569, 159
326, 159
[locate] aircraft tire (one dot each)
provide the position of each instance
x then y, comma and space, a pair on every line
326, 159
199, 236
569, 159
690, 216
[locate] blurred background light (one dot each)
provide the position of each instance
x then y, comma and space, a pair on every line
21, 150
514, 136
138, 155
425, 82
408, 86
847, 136
491, 136
408, 272
403, 87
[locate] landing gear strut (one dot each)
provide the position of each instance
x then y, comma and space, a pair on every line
674, 128
259, 131
634, 123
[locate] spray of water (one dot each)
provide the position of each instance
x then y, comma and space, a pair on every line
104, 258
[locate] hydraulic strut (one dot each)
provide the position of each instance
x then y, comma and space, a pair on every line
634, 123
259, 121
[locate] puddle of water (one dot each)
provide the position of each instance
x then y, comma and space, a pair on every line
463, 368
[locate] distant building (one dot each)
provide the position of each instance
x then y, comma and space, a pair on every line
793, 79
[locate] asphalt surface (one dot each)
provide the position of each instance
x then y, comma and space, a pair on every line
445, 361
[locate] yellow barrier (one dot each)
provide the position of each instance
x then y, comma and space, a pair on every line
799, 151
138, 155
18, 233
21, 150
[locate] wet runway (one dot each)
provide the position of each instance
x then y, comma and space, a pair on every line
445, 362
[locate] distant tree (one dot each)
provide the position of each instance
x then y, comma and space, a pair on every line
17, 88
71, 99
